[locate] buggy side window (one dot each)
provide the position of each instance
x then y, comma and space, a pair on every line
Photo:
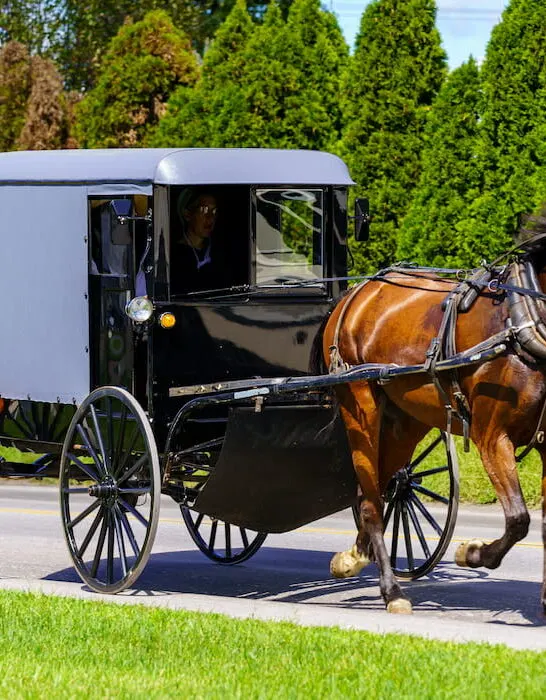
289, 236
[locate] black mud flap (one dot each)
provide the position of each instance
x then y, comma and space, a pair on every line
280, 469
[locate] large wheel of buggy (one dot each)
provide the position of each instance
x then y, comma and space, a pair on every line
222, 542
421, 503
110, 486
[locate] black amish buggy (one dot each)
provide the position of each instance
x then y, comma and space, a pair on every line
127, 374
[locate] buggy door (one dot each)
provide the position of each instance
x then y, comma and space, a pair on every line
111, 275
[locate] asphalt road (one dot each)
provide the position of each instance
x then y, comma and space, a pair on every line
289, 577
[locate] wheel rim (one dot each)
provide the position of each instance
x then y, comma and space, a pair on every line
109, 521
419, 519
222, 542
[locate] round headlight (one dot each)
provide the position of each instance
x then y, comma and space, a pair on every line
139, 309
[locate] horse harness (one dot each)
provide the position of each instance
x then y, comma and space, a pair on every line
525, 329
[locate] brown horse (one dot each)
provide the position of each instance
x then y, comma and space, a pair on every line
393, 319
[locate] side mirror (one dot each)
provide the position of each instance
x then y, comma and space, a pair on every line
120, 216
362, 219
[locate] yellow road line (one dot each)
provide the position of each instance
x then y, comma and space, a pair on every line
303, 530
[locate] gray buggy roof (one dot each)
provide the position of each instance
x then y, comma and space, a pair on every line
170, 166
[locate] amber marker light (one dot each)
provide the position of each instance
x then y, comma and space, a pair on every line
167, 320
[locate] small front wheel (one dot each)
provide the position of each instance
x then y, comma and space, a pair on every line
110, 486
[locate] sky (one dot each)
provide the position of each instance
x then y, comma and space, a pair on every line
465, 25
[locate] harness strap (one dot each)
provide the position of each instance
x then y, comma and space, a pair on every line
444, 345
337, 363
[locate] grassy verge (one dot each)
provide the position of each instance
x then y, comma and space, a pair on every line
54, 647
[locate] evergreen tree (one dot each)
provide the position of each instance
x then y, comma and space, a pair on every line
273, 85
393, 77
513, 128
15, 82
46, 119
145, 62
191, 113
451, 178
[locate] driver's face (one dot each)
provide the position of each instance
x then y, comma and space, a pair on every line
202, 217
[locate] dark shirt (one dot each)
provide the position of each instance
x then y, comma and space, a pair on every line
193, 269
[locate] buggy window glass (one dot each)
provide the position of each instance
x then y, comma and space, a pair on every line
289, 235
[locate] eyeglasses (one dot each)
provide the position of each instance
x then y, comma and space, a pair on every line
206, 209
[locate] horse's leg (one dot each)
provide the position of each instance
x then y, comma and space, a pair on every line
543, 458
362, 416
497, 453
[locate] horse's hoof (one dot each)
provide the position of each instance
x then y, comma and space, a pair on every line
463, 550
347, 564
400, 606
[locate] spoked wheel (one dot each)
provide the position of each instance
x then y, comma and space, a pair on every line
220, 541
110, 485
421, 505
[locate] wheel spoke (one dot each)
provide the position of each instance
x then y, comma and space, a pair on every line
110, 426
35, 420
431, 521
418, 529
100, 545
425, 453
244, 537
90, 509
98, 435
75, 489
140, 490
227, 528
121, 437
202, 446
82, 432
388, 514
85, 468
94, 525
407, 536
121, 466
136, 466
120, 540
141, 519
213, 535
395, 526
110, 550
429, 472
129, 531
199, 520
430, 494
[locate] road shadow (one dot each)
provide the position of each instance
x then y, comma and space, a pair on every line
302, 577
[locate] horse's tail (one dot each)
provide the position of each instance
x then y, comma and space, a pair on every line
316, 358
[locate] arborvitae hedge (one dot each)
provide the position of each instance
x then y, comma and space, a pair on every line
513, 147
194, 115
451, 178
276, 84
145, 62
395, 73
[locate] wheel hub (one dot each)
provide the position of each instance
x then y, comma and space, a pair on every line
107, 490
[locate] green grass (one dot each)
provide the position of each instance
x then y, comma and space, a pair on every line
63, 648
